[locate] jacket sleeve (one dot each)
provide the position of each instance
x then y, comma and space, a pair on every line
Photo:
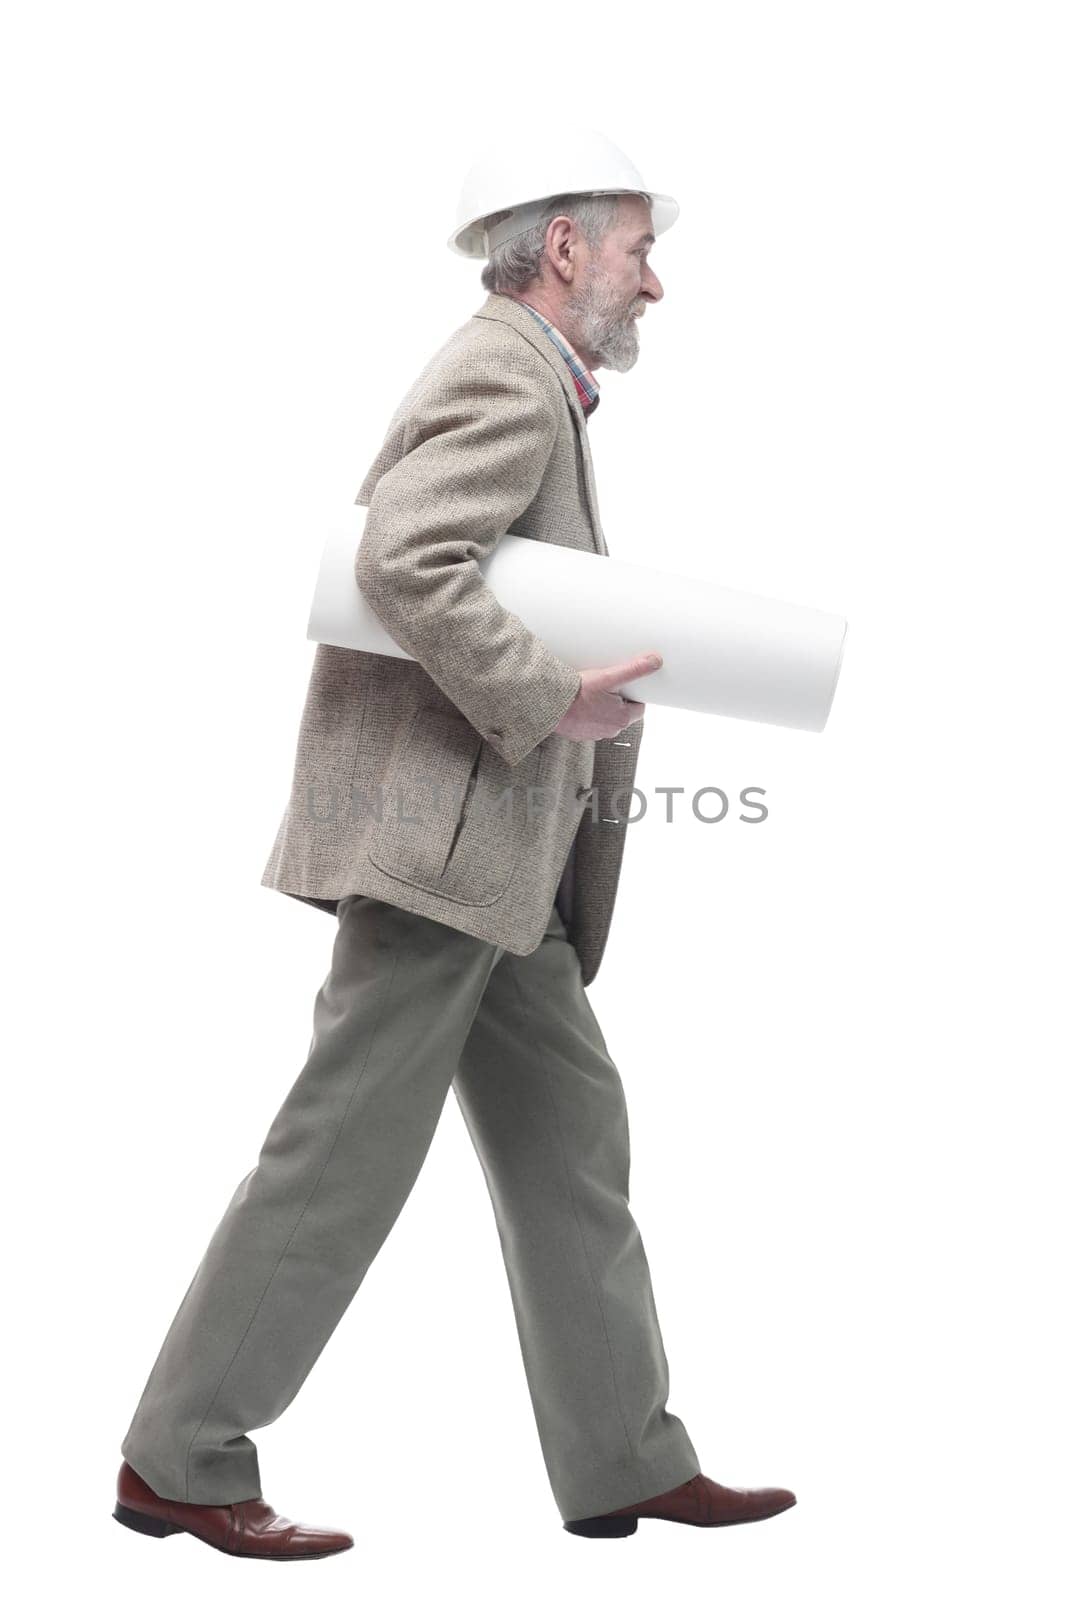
477, 441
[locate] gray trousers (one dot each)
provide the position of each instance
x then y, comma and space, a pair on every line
409, 1008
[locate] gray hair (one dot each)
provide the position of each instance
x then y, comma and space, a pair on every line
516, 263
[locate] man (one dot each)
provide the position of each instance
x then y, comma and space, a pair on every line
468, 932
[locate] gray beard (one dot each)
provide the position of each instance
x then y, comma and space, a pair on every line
595, 320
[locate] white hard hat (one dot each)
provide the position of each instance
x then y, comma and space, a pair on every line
518, 175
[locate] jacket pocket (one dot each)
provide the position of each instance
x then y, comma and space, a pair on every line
448, 824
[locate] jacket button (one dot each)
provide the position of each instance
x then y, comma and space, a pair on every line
580, 792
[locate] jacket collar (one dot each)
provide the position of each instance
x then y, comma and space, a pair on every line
501, 308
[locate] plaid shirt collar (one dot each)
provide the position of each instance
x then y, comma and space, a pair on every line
586, 385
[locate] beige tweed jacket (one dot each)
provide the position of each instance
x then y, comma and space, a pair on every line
437, 783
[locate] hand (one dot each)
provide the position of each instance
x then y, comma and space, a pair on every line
597, 712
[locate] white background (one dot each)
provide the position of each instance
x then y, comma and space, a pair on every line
839, 1030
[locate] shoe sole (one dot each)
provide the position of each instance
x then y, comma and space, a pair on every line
620, 1527
157, 1528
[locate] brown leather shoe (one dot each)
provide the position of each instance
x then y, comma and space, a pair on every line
246, 1528
699, 1501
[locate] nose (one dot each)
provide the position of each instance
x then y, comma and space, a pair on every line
651, 288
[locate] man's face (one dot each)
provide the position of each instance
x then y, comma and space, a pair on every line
612, 289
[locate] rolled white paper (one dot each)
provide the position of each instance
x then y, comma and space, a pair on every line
724, 651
